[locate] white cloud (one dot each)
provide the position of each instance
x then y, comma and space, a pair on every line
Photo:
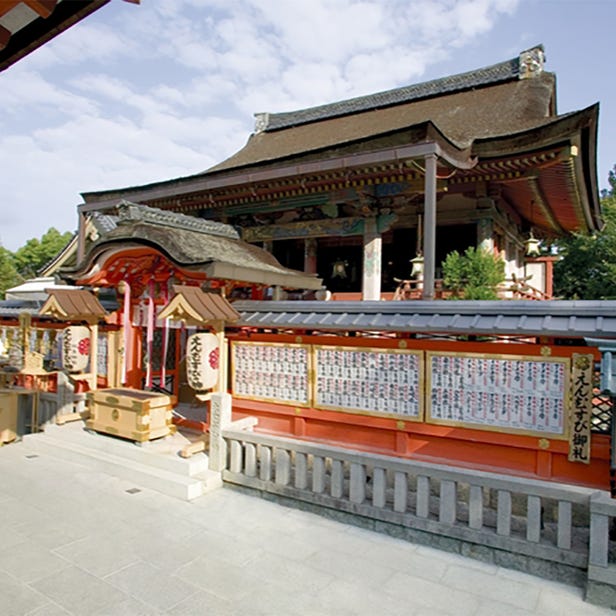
331, 30
26, 92
89, 42
134, 95
454, 22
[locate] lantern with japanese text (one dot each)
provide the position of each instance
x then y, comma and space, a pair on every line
75, 348
202, 361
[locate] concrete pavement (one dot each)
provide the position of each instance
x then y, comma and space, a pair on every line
76, 541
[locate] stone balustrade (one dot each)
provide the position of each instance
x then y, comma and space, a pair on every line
552, 530
601, 585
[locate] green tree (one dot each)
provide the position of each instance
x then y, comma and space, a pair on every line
8, 272
475, 274
31, 257
587, 269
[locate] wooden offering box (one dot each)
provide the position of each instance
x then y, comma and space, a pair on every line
17, 407
8, 416
130, 413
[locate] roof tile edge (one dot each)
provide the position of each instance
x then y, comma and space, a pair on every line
134, 212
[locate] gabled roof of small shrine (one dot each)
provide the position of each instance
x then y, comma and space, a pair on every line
196, 307
70, 304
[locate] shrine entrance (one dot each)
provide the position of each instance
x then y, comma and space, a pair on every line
159, 358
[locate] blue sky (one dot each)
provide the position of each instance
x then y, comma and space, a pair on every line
141, 93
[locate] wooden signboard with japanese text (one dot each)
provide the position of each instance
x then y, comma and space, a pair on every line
272, 372
494, 392
367, 380
523, 394
581, 408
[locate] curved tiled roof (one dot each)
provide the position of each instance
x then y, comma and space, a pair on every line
463, 117
194, 244
502, 111
483, 103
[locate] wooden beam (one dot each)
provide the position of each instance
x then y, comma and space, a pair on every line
8, 5
5, 37
44, 8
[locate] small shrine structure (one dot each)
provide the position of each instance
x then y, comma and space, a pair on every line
140, 256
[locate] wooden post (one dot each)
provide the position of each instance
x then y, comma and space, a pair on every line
310, 255
81, 237
429, 226
93, 356
371, 285
219, 330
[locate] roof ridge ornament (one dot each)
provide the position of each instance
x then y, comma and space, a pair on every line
531, 62
136, 212
261, 122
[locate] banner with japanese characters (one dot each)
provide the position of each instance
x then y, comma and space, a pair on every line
202, 361
270, 371
75, 348
581, 408
508, 393
374, 381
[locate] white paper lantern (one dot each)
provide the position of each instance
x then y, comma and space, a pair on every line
76, 348
202, 361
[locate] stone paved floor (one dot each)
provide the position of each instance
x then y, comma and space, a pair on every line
73, 541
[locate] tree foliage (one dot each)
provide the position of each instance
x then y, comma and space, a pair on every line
35, 254
8, 272
588, 267
29, 259
475, 274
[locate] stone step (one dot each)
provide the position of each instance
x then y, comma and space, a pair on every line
162, 453
143, 475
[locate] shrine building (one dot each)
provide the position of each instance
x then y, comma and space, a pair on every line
376, 188
482, 426
352, 196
